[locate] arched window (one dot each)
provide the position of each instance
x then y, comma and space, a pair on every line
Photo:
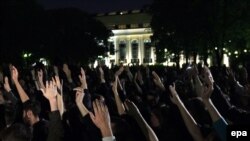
134, 49
122, 50
147, 51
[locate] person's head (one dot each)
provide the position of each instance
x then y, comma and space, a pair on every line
31, 111
16, 132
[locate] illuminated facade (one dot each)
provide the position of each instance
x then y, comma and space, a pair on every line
131, 43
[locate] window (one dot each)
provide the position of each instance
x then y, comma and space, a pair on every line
112, 48
147, 51
135, 50
123, 26
134, 26
122, 50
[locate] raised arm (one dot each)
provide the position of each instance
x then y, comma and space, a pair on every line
119, 104
79, 101
136, 84
219, 123
10, 95
101, 119
102, 79
23, 96
135, 113
158, 82
82, 79
129, 74
40, 79
59, 97
67, 72
189, 121
55, 125
34, 78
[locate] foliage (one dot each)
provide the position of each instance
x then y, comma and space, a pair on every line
68, 34
196, 26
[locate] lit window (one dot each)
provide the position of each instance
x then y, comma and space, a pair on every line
146, 25
134, 25
123, 26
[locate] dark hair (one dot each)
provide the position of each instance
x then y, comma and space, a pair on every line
34, 106
16, 132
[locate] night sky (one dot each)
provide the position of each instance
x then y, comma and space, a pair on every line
96, 6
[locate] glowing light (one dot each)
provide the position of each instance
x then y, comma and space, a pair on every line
229, 53
216, 48
226, 60
25, 55
44, 61
245, 50
236, 52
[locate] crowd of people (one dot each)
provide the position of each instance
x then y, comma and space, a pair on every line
138, 103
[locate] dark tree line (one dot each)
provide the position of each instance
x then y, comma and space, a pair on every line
68, 34
198, 26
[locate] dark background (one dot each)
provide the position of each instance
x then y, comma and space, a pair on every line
96, 6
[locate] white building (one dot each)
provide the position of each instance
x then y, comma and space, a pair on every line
131, 40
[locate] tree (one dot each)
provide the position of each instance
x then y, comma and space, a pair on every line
69, 34
196, 26
75, 35
19, 23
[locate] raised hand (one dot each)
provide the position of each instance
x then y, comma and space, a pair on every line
131, 108
79, 101
157, 81
6, 84
114, 86
67, 72
208, 78
101, 118
56, 71
59, 86
195, 71
101, 75
79, 95
33, 74
119, 72
14, 73
139, 77
40, 75
174, 97
208, 90
50, 91
135, 113
82, 78
40, 78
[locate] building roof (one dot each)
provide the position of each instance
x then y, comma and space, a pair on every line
125, 19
